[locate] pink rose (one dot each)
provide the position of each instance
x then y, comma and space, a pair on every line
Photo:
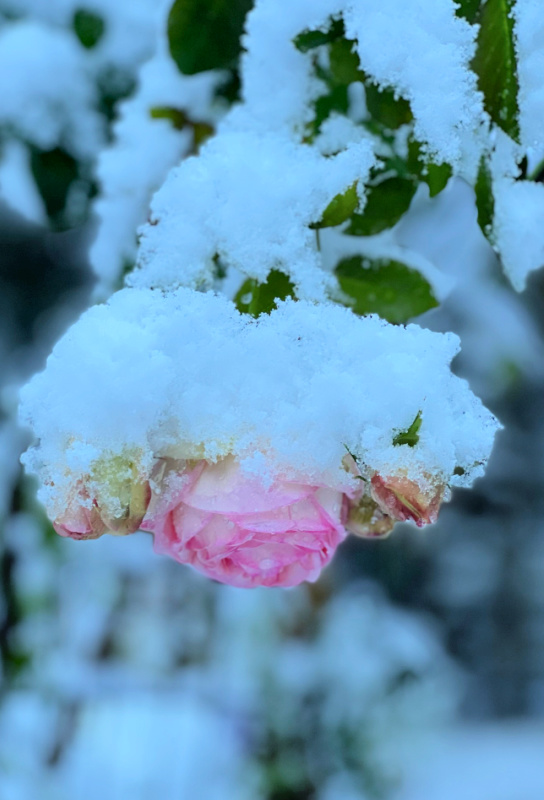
231, 527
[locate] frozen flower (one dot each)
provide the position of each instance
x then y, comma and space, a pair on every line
404, 499
232, 527
113, 498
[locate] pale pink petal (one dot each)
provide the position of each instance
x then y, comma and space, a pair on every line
235, 530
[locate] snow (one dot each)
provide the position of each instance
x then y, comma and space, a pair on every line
496, 330
17, 186
519, 211
154, 145
499, 762
424, 40
129, 32
133, 376
248, 197
47, 97
529, 40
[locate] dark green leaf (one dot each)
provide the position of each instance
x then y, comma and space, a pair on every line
230, 88
205, 34
339, 209
54, 172
385, 108
459, 471
495, 65
344, 62
89, 27
309, 40
260, 298
536, 174
410, 436
335, 100
436, 176
468, 9
389, 288
485, 202
385, 205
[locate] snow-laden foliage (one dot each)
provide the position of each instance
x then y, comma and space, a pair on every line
292, 188
230, 203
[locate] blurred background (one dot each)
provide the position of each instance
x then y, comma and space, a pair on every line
413, 670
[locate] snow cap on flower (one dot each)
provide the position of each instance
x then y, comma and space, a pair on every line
127, 391
285, 394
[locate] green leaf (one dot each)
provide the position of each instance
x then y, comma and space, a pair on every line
385, 205
344, 62
54, 172
339, 209
389, 288
436, 176
410, 436
468, 9
309, 40
495, 65
205, 34
385, 108
230, 87
89, 27
485, 202
179, 119
176, 116
334, 100
260, 298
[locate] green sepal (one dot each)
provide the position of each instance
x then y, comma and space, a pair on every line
411, 435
